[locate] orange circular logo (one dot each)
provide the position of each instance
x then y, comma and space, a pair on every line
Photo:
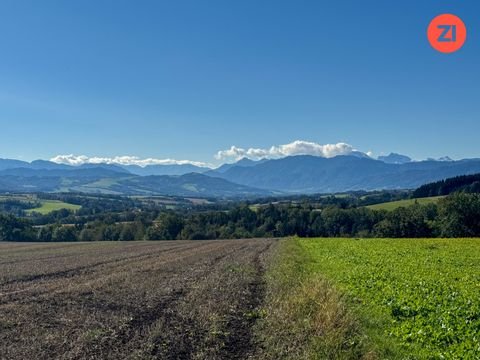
447, 33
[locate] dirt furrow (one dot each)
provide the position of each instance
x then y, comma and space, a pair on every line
192, 300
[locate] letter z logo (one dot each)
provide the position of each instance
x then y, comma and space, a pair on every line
446, 29
447, 33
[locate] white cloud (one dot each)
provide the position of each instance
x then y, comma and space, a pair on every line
77, 160
298, 147
234, 153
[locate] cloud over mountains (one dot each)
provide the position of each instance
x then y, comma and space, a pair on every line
298, 147
234, 153
77, 160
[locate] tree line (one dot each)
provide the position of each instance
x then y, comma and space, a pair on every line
457, 215
465, 183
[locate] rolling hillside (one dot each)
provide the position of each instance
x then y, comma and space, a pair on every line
392, 205
116, 180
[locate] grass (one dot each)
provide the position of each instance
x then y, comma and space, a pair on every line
392, 205
304, 316
390, 298
52, 205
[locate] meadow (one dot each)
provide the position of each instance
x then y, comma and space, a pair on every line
375, 298
47, 206
392, 205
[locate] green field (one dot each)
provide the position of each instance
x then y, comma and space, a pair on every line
392, 205
385, 298
52, 205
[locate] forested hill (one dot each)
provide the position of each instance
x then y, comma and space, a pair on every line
467, 183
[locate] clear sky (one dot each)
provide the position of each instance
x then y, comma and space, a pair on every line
185, 79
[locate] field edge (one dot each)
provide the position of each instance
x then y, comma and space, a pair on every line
305, 316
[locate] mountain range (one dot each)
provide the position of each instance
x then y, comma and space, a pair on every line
292, 174
113, 179
312, 174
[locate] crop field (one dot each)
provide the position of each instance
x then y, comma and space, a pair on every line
137, 300
52, 205
392, 205
396, 298
241, 299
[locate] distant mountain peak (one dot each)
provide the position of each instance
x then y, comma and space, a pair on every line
244, 161
359, 154
445, 158
394, 158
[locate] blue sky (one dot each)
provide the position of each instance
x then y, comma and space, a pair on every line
185, 79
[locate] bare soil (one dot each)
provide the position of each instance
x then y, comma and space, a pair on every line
133, 300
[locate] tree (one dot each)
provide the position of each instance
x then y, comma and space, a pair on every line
168, 227
127, 233
14, 229
459, 215
64, 233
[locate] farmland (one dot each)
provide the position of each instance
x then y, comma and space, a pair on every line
392, 205
385, 298
47, 206
328, 298
32, 203
143, 300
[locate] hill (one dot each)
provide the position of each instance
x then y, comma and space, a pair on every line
468, 183
115, 180
185, 185
392, 205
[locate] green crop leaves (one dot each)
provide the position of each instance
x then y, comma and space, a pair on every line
425, 291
